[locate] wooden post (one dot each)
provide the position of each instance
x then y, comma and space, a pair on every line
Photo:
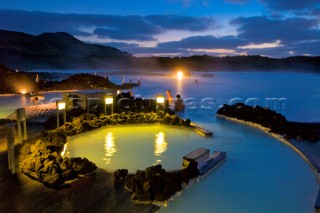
112, 108
25, 135
61, 105
58, 119
64, 116
87, 105
10, 146
18, 114
21, 116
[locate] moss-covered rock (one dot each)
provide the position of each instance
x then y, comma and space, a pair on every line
119, 177
276, 122
155, 184
42, 162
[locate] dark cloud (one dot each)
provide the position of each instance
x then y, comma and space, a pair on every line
307, 48
121, 45
263, 29
316, 12
187, 23
38, 22
204, 42
237, 1
285, 5
297, 35
310, 48
129, 28
118, 27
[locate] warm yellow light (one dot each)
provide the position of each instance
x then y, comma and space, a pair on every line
64, 150
109, 100
23, 91
109, 147
179, 75
61, 105
160, 99
160, 144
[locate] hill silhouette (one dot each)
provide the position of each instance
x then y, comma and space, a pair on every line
63, 51
55, 50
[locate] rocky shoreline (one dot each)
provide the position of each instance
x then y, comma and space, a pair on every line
275, 122
155, 185
41, 159
17, 82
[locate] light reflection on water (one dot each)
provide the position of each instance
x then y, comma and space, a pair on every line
135, 147
109, 147
180, 87
160, 145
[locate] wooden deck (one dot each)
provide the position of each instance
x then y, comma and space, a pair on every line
204, 160
311, 151
37, 113
317, 205
93, 193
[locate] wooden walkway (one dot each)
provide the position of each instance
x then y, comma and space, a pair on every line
317, 205
311, 151
37, 113
93, 193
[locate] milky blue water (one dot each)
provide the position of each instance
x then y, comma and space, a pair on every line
260, 174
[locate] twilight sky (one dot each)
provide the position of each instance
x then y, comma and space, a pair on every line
275, 28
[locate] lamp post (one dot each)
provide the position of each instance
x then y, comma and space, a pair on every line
160, 100
108, 101
61, 105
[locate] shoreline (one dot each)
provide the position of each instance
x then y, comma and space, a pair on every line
315, 169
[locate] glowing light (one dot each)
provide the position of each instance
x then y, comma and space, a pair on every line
179, 75
109, 100
160, 99
61, 105
109, 147
23, 92
160, 144
64, 150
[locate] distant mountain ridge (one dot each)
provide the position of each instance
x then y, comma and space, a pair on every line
63, 51
55, 50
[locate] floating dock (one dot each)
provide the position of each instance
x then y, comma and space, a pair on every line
202, 131
199, 155
212, 162
205, 161
317, 205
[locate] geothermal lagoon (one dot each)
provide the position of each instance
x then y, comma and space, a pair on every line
260, 174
